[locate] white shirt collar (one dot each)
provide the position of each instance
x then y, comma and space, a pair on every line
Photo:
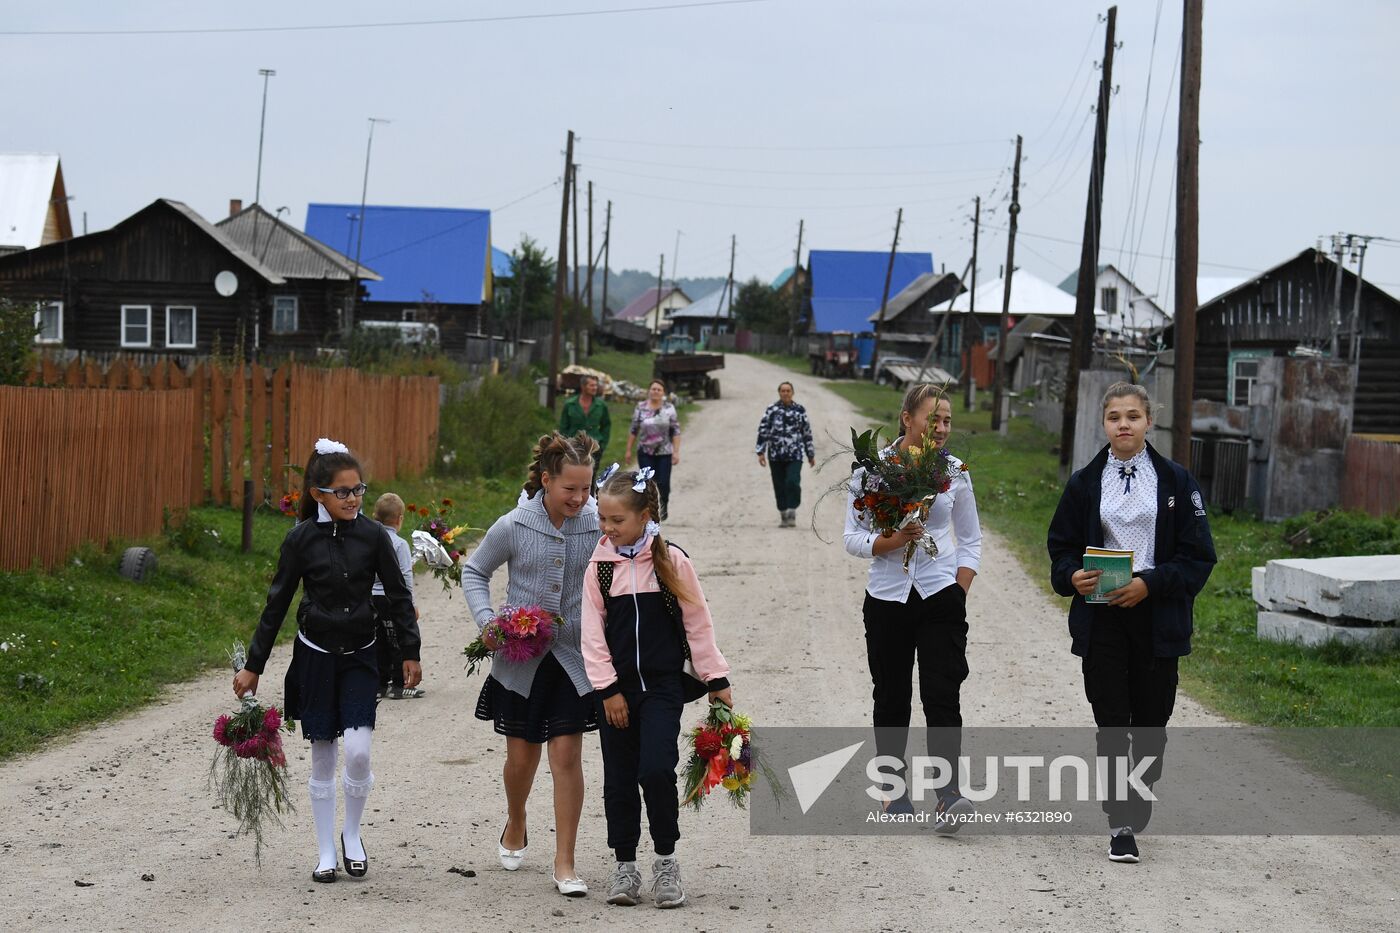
1138, 459
635, 548
321, 514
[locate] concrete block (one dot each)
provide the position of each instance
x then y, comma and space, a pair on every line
1363, 588
1295, 628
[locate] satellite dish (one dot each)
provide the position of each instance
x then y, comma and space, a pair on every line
225, 283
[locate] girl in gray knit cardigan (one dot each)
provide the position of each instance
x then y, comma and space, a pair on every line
546, 542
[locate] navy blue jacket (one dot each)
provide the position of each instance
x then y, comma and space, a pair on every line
1185, 552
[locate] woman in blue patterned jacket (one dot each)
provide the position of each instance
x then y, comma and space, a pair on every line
784, 437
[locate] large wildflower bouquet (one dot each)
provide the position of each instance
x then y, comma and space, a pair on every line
437, 542
249, 770
520, 633
722, 754
895, 488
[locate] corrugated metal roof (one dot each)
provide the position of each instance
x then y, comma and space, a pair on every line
847, 284
644, 303
242, 254
782, 278
908, 372
286, 250
422, 253
911, 293
26, 185
714, 305
1030, 294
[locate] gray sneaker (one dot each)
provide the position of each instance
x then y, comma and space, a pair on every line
666, 890
625, 888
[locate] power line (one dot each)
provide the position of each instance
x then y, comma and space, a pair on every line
776, 207
395, 24
769, 187
660, 145
1072, 81
783, 171
1056, 239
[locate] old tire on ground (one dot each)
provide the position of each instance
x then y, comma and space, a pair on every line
138, 564
712, 390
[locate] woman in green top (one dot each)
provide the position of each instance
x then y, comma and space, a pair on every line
587, 412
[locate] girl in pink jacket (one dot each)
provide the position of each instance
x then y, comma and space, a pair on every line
648, 648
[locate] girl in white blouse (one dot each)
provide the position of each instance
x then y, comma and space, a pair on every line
922, 613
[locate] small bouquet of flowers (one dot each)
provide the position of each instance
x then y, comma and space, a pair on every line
722, 755
249, 770
520, 633
898, 487
435, 543
290, 503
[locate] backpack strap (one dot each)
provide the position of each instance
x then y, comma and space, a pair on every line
671, 601
605, 578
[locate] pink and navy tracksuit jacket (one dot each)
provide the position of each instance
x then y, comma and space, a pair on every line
634, 637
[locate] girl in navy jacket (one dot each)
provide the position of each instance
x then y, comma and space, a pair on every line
1130, 497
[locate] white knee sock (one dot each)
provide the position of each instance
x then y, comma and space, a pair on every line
321, 786
358, 779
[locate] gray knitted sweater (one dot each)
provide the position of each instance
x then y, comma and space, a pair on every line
546, 567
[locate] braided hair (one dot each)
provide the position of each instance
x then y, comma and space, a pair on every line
619, 486
554, 452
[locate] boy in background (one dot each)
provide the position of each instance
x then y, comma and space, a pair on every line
389, 512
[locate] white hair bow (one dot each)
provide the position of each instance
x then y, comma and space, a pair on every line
608, 473
643, 476
653, 529
327, 446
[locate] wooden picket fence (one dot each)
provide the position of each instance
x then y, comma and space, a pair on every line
236, 423
1371, 474
90, 465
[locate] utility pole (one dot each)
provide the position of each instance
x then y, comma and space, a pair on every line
728, 285
967, 340
1000, 401
560, 274
1356, 305
1340, 246
360, 232
578, 349
592, 264
1081, 352
262, 128
885, 297
796, 285
1188, 219
660, 277
607, 243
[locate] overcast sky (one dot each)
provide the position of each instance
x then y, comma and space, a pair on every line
737, 118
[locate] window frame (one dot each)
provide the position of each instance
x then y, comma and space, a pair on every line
296, 314
121, 335
1242, 356
1104, 294
39, 308
194, 327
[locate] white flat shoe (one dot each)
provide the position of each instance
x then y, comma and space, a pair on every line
511, 858
570, 887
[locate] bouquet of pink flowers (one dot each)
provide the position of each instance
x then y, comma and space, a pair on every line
249, 771
519, 633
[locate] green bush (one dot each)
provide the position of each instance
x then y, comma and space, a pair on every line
489, 430
1332, 534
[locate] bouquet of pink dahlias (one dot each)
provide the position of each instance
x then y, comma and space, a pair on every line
519, 633
249, 770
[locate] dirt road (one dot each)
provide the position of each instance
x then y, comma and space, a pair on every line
128, 800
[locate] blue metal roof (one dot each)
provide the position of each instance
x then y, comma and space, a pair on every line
501, 265
847, 284
434, 253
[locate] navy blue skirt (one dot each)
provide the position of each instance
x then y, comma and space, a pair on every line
553, 707
329, 693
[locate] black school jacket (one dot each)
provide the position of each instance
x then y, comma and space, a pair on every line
336, 563
1185, 552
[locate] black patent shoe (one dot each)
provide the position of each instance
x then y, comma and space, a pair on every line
324, 877
355, 868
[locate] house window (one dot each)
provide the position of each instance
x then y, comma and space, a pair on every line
48, 322
1108, 297
179, 327
284, 314
990, 333
1244, 373
136, 326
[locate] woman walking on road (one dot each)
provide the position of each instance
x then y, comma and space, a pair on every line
921, 613
784, 438
546, 542
656, 432
1131, 498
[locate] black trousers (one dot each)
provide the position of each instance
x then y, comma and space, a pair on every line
1132, 694
933, 631
787, 483
640, 761
662, 466
390, 655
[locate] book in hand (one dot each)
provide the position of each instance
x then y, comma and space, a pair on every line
1117, 567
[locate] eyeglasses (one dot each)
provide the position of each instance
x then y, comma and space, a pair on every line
345, 492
